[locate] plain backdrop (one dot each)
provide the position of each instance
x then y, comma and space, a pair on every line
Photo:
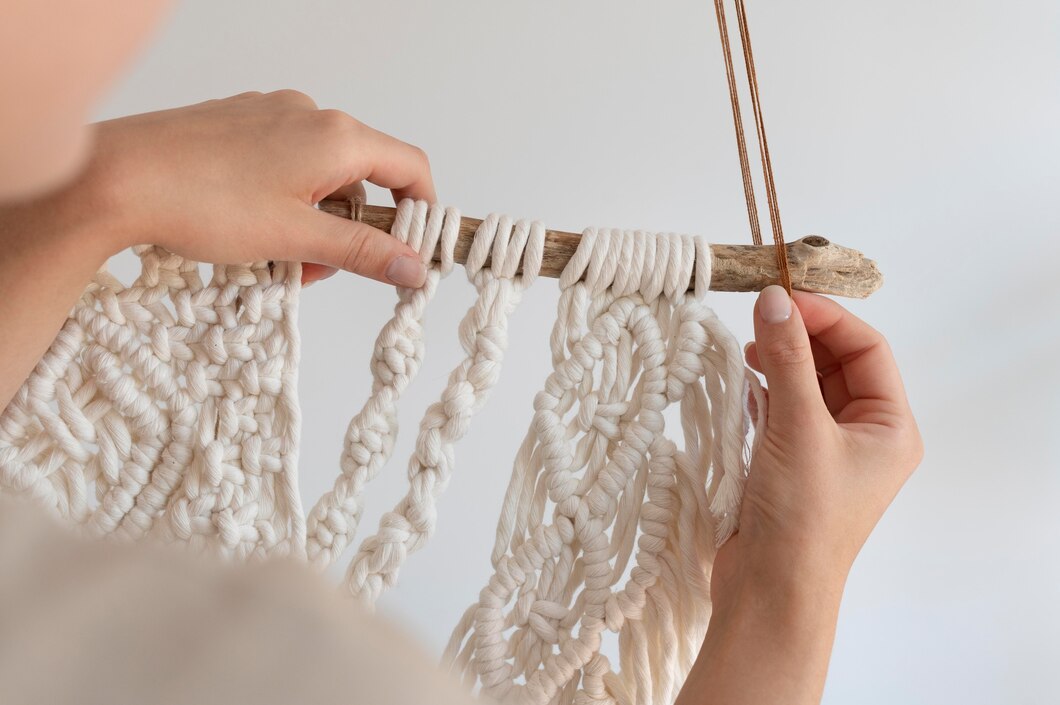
922, 133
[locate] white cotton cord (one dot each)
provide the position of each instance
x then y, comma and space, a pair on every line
575, 268
704, 267
533, 251
290, 413
632, 261
131, 378
604, 262
450, 231
168, 408
396, 359
483, 334
630, 257
240, 496
482, 245
511, 247
428, 229
410, 220
726, 390
596, 485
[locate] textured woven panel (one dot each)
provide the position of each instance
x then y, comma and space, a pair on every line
169, 406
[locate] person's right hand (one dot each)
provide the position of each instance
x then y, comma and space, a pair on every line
235, 180
840, 441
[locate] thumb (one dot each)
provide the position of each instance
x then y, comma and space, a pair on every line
359, 248
783, 348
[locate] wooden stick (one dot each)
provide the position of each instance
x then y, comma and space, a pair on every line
817, 264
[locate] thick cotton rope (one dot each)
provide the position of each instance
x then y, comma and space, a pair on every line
172, 405
597, 487
169, 408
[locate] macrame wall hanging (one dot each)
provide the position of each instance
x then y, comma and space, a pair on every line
168, 408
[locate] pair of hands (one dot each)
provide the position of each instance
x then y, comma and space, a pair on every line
236, 180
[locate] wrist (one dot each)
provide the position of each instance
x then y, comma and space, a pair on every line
782, 599
751, 569
94, 212
44, 230
769, 640
80, 218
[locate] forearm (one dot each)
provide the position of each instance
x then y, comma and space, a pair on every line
50, 250
766, 645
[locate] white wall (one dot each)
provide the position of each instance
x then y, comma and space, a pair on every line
923, 133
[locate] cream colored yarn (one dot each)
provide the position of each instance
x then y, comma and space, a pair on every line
169, 408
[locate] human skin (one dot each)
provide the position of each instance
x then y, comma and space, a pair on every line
235, 180
840, 441
224, 181
57, 57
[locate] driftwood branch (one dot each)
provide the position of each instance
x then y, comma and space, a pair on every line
817, 264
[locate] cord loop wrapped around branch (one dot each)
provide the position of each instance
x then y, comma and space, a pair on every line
633, 261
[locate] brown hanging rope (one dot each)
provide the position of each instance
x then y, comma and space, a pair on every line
737, 119
741, 140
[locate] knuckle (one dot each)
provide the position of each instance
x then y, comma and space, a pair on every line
335, 120
916, 448
355, 252
784, 352
290, 96
877, 340
905, 446
421, 157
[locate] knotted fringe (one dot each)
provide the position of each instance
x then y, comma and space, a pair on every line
608, 526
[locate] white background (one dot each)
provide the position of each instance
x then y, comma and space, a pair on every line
922, 133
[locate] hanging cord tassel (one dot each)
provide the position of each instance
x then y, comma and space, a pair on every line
741, 141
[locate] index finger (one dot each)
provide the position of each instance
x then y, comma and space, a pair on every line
386, 161
867, 362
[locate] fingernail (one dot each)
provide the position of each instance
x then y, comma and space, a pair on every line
747, 347
774, 304
406, 271
313, 273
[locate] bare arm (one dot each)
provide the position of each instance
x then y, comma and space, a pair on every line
225, 181
42, 272
839, 444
